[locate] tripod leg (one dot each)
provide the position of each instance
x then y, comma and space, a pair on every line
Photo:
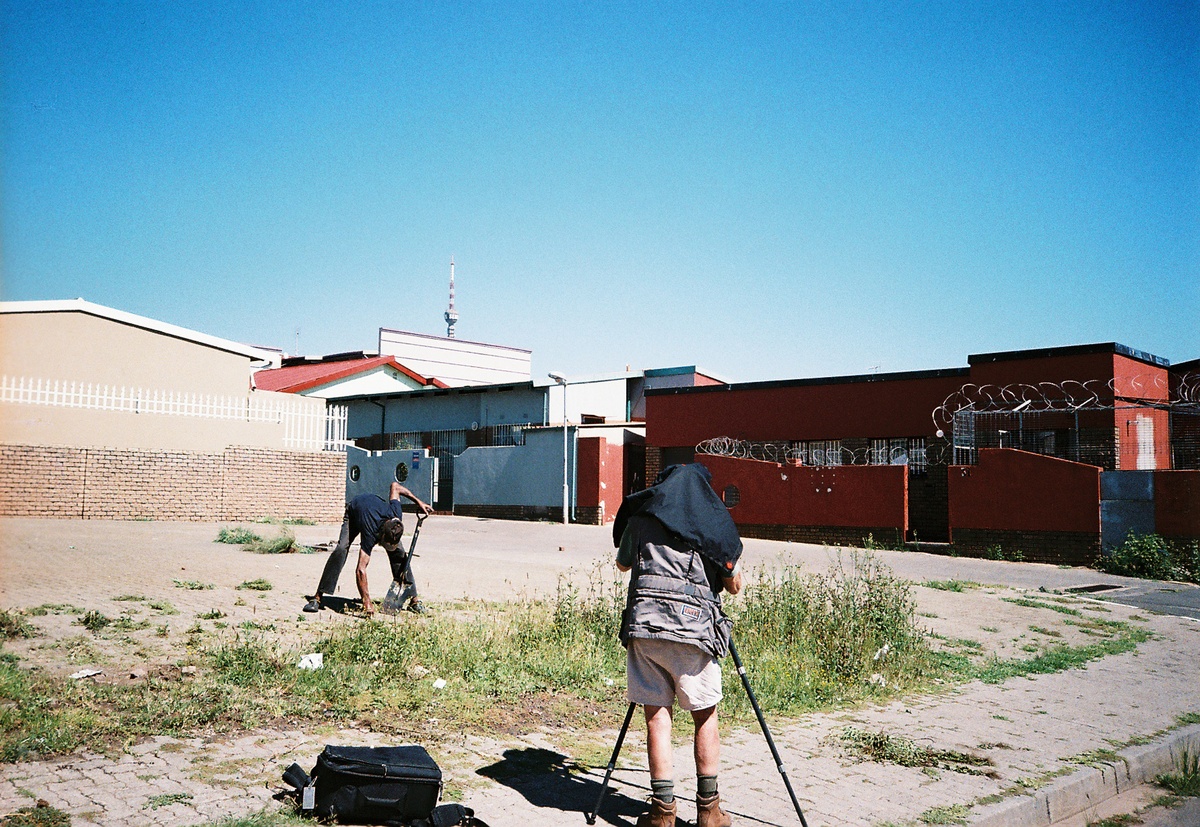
762, 722
612, 763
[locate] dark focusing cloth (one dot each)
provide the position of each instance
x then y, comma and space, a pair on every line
682, 499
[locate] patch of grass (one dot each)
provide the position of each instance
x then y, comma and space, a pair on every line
894, 749
126, 623
990, 629
954, 814
286, 521
40, 815
258, 585
265, 818
285, 543
54, 609
1042, 630
1121, 820
213, 614
130, 598
13, 625
192, 585
166, 800
237, 536
1186, 782
1041, 604
951, 585
163, 607
1153, 557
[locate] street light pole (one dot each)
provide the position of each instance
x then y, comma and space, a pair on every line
562, 380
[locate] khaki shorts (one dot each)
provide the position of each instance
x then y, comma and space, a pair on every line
659, 671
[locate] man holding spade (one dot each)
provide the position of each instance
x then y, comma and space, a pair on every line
373, 520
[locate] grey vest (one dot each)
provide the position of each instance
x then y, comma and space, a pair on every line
669, 593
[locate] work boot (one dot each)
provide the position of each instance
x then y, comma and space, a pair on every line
709, 812
659, 814
417, 608
313, 605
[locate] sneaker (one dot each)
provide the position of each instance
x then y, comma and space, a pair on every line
313, 605
659, 814
709, 812
417, 608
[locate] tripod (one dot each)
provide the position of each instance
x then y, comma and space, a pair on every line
741, 670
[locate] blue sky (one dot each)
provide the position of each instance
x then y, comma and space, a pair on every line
767, 190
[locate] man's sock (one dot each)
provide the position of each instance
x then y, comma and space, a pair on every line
663, 789
706, 785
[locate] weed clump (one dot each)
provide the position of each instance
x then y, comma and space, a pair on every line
40, 815
815, 639
257, 585
1186, 782
285, 543
237, 536
94, 621
1152, 557
13, 625
192, 585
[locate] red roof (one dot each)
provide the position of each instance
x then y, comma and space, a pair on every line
298, 378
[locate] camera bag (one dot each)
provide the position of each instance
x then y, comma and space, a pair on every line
375, 785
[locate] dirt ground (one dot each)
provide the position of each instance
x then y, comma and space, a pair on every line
160, 579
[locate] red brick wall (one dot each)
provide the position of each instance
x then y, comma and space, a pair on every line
112, 484
1177, 504
41, 482
852, 496
1012, 490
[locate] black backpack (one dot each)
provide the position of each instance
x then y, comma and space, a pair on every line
394, 786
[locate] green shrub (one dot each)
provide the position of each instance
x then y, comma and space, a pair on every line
1153, 557
94, 621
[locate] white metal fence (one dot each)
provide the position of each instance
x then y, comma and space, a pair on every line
307, 425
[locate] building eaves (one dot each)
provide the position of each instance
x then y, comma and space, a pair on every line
442, 390
142, 322
299, 378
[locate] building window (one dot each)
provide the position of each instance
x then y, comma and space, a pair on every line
910, 452
820, 452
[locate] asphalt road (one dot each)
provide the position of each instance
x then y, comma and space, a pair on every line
1178, 599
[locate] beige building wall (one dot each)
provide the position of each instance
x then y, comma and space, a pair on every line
79, 346
32, 424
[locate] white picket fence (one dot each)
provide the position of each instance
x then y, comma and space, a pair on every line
307, 426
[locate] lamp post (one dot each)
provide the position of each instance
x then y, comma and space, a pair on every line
562, 380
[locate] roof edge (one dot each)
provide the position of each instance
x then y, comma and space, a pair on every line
827, 380
1115, 348
143, 322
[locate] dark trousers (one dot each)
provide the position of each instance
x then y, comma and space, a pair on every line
398, 559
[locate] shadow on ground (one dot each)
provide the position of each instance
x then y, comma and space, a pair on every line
550, 780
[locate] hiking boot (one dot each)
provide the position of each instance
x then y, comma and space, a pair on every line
313, 605
659, 814
417, 608
709, 812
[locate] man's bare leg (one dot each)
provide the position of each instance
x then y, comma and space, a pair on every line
707, 744
658, 741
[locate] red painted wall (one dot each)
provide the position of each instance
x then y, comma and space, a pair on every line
1177, 504
886, 408
1126, 423
1012, 490
600, 472
868, 496
1078, 367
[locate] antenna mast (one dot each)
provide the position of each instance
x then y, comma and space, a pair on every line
451, 314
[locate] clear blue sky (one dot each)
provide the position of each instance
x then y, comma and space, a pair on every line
767, 190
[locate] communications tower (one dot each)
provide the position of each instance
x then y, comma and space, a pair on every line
451, 314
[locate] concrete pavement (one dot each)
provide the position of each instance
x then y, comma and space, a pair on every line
1035, 730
